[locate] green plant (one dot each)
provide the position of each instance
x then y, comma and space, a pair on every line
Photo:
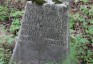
15, 25
16, 21
1, 55
81, 23
16, 14
4, 14
6, 48
85, 1
7, 38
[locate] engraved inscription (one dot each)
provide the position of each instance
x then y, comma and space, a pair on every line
43, 35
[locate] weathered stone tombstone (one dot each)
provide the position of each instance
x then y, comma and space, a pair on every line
43, 37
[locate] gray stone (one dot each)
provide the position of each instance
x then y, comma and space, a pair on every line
43, 37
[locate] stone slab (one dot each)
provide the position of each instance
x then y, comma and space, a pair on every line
43, 37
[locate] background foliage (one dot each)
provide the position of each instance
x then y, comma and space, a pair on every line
81, 31
81, 23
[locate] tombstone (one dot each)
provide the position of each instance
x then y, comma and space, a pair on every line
43, 36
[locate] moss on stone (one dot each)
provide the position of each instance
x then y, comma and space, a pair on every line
41, 2
57, 1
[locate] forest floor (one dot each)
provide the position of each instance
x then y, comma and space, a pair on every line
81, 23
